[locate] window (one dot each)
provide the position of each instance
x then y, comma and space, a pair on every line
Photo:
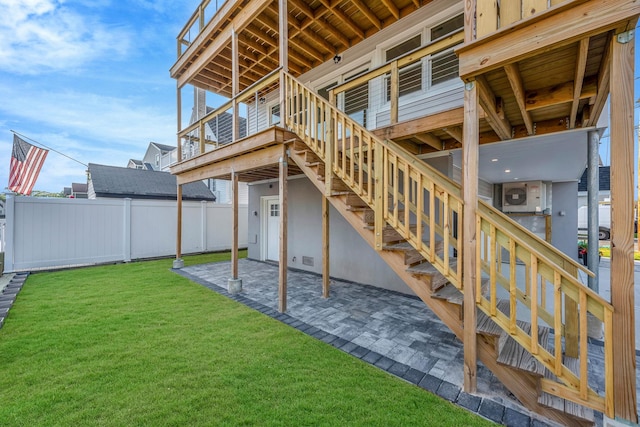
409, 77
274, 210
444, 67
324, 91
356, 100
157, 160
274, 115
447, 27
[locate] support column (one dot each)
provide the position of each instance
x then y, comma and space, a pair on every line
622, 265
470, 153
325, 247
282, 276
283, 56
234, 284
179, 115
593, 186
235, 86
178, 262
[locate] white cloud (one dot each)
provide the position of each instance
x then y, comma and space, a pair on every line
45, 35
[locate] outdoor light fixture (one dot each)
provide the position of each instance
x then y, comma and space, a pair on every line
337, 59
262, 100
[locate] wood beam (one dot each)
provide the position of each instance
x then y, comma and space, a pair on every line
499, 124
345, 19
470, 156
428, 124
603, 85
431, 140
622, 264
391, 7
234, 225
364, 9
515, 80
581, 66
326, 281
283, 258
455, 133
563, 28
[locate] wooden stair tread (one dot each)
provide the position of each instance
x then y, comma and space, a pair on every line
512, 354
572, 408
485, 325
401, 246
450, 294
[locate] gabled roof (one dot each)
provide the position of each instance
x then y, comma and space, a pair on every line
78, 187
162, 147
136, 162
118, 182
605, 179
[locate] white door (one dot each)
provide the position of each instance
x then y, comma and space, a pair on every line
273, 230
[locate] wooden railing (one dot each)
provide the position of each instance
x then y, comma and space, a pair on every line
195, 132
418, 202
426, 209
492, 16
542, 286
392, 69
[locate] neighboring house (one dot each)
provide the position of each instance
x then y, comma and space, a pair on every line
604, 188
138, 164
401, 132
117, 182
159, 157
79, 190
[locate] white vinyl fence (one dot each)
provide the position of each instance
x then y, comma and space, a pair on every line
52, 233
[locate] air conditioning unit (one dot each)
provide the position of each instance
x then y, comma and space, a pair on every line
524, 197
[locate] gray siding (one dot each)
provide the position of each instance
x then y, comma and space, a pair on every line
351, 257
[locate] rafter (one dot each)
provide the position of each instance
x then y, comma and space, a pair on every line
364, 9
581, 65
515, 80
488, 101
344, 18
393, 9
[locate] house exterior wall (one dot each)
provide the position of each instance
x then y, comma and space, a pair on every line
351, 258
565, 217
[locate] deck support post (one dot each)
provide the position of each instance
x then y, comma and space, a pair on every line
235, 84
282, 276
622, 265
470, 153
325, 248
178, 262
234, 284
593, 186
179, 122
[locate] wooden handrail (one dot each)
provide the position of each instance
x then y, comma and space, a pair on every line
409, 58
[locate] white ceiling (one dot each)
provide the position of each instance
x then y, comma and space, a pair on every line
556, 157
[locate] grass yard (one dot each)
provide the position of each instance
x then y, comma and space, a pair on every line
135, 344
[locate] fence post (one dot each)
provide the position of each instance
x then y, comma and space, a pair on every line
10, 215
126, 230
203, 225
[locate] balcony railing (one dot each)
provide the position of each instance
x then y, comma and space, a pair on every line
203, 14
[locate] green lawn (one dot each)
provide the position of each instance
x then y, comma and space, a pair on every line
135, 344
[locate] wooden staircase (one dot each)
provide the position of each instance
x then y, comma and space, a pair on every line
408, 212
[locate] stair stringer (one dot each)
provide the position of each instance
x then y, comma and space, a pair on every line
522, 384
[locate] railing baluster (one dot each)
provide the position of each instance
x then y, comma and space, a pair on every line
360, 163
352, 162
370, 155
432, 221
557, 316
584, 380
534, 304
344, 148
396, 190
419, 210
492, 270
407, 200
512, 285
446, 232
608, 364
479, 235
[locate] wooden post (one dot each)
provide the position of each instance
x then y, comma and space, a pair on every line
234, 226
282, 283
470, 153
325, 247
571, 319
469, 20
235, 83
178, 262
622, 286
394, 85
283, 36
179, 115
380, 189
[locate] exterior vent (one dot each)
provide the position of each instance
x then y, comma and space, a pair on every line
307, 260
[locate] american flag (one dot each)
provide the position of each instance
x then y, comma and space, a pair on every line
26, 162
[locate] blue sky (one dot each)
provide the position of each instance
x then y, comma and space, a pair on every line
90, 78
